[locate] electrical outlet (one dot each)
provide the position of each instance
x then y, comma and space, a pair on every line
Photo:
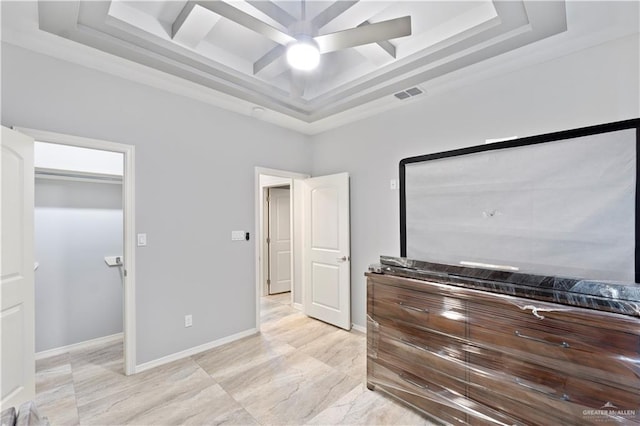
188, 320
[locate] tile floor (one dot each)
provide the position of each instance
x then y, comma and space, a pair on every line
296, 371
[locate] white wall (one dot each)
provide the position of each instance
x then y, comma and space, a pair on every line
592, 86
78, 297
194, 185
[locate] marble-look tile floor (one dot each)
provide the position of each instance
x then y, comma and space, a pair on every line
296, 371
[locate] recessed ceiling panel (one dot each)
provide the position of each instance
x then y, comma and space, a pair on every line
312, 8
163, 11
240, 41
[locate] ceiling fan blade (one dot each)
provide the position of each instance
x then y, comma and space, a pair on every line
384, 44
236, 15
273, 11
331, 13
373, 33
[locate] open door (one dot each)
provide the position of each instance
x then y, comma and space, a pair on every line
327, 272
17, 264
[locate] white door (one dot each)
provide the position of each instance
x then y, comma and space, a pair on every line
16, 266
279, 240
327, 280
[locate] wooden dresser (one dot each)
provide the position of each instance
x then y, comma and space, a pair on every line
465, 356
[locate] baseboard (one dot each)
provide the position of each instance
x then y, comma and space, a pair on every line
80, 345
297, 306
195, 350
359, 328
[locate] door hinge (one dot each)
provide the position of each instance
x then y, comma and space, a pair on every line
268, 282
125, 272
268, 240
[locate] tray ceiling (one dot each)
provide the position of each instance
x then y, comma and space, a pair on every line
188, 41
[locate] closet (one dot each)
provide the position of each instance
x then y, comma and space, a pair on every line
78, 220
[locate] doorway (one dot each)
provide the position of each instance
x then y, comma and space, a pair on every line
319, 244
121, 264
278, 240
271, 178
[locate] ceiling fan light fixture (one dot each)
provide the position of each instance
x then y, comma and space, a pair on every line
303, 54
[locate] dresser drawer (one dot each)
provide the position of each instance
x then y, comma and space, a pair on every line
554, 340
426, 395
524, 413
530, 408
587, 330
541, 395
431, 397
418, 309
422, 353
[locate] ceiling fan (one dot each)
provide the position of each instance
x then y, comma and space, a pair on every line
301, 43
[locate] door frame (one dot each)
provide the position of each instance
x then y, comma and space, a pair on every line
128, 210
259, 204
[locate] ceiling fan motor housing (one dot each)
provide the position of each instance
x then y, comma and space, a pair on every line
303, 54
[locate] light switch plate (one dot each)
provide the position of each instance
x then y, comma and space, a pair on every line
393, 184
237, 235
142, 240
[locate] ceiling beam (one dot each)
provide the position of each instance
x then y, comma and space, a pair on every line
274, 11
242, 18
192, 24
298, 84
182, 18
268, 58
331, 13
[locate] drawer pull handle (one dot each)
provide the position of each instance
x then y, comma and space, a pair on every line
534, 311
412, 308
564, 396
562, 345
413, 382
413, 345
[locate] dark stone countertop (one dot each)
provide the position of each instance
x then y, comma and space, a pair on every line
611, 296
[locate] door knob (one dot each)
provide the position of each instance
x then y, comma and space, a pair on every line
342, 259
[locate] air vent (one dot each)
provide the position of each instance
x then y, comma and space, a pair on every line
414, 91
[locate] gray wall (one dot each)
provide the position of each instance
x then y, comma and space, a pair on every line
194, 185
592, 86
78, 297
195, 167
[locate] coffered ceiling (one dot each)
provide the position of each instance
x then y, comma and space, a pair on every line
188, 44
